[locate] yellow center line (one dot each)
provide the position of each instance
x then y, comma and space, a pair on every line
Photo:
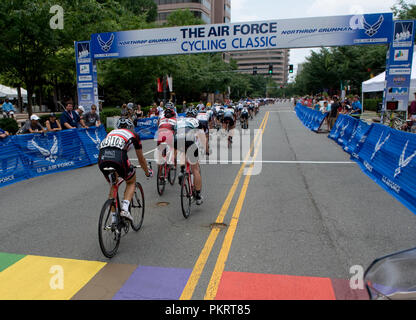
226, 246
203, 257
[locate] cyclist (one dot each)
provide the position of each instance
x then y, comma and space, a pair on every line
114, 153
167, 130
244, 116
250, 109
188, 130
228, 121
204, 119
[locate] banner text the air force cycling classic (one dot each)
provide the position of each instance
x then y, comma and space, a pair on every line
273, 34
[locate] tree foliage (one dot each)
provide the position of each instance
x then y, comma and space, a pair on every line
42, 59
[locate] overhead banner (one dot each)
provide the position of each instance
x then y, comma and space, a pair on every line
86, 75
399, 67
272, 34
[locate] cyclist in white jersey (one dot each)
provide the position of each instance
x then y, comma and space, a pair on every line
188, 129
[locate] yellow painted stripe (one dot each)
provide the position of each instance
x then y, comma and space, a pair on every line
206, 251
43, 278
228, 239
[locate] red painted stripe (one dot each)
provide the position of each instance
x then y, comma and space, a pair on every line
250, 286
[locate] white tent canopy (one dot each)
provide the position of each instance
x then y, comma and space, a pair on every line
377, 83
11, 93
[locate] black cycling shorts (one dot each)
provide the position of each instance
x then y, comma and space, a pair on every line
204, 126
117, 159
229, 120
244, 115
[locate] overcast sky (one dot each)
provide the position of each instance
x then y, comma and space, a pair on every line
257, 10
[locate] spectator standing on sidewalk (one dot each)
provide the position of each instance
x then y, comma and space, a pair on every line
32, 125
52, 124
357, 108
69, 118
333, 114
92, 119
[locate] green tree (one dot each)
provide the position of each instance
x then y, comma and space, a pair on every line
404, 10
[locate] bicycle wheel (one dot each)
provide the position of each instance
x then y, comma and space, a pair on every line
137, 208
172, 175
186, 196
108, 235
161, 182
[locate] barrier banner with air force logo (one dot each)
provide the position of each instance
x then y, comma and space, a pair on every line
388, 156
52, 152
12, 168
272, 34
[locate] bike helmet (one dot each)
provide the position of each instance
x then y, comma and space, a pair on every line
169, 105
190, 113
124, 123
169, 112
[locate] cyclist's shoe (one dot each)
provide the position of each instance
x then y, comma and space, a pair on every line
126, 215
199, 199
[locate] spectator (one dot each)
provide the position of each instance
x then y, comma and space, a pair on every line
200, 106
333, 114
124, 111
130, 110
69, 118
160, 108
80, 111
92, 119
32, 125
138, 114
3, 134
357, 108
317, 106
153, 110
8, 109
52, 124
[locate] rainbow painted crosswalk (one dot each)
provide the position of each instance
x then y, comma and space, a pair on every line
29, 277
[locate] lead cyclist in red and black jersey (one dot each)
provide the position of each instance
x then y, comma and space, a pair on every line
113, 153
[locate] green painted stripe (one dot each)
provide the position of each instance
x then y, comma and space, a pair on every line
7, 259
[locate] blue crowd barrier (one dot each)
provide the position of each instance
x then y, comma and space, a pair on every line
388, 157
357, 139
312, 119
31, 155
12, 166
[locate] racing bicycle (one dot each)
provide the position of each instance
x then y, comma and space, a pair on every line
165, 171
187, 190
111, 227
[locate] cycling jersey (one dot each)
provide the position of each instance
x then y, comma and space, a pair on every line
113, 153
203, 116
122, 139
166, 131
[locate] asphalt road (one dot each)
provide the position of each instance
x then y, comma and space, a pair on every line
309, 212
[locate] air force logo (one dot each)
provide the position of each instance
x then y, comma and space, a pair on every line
50, 153
371, 30
359, 22
403, 161
106, 45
